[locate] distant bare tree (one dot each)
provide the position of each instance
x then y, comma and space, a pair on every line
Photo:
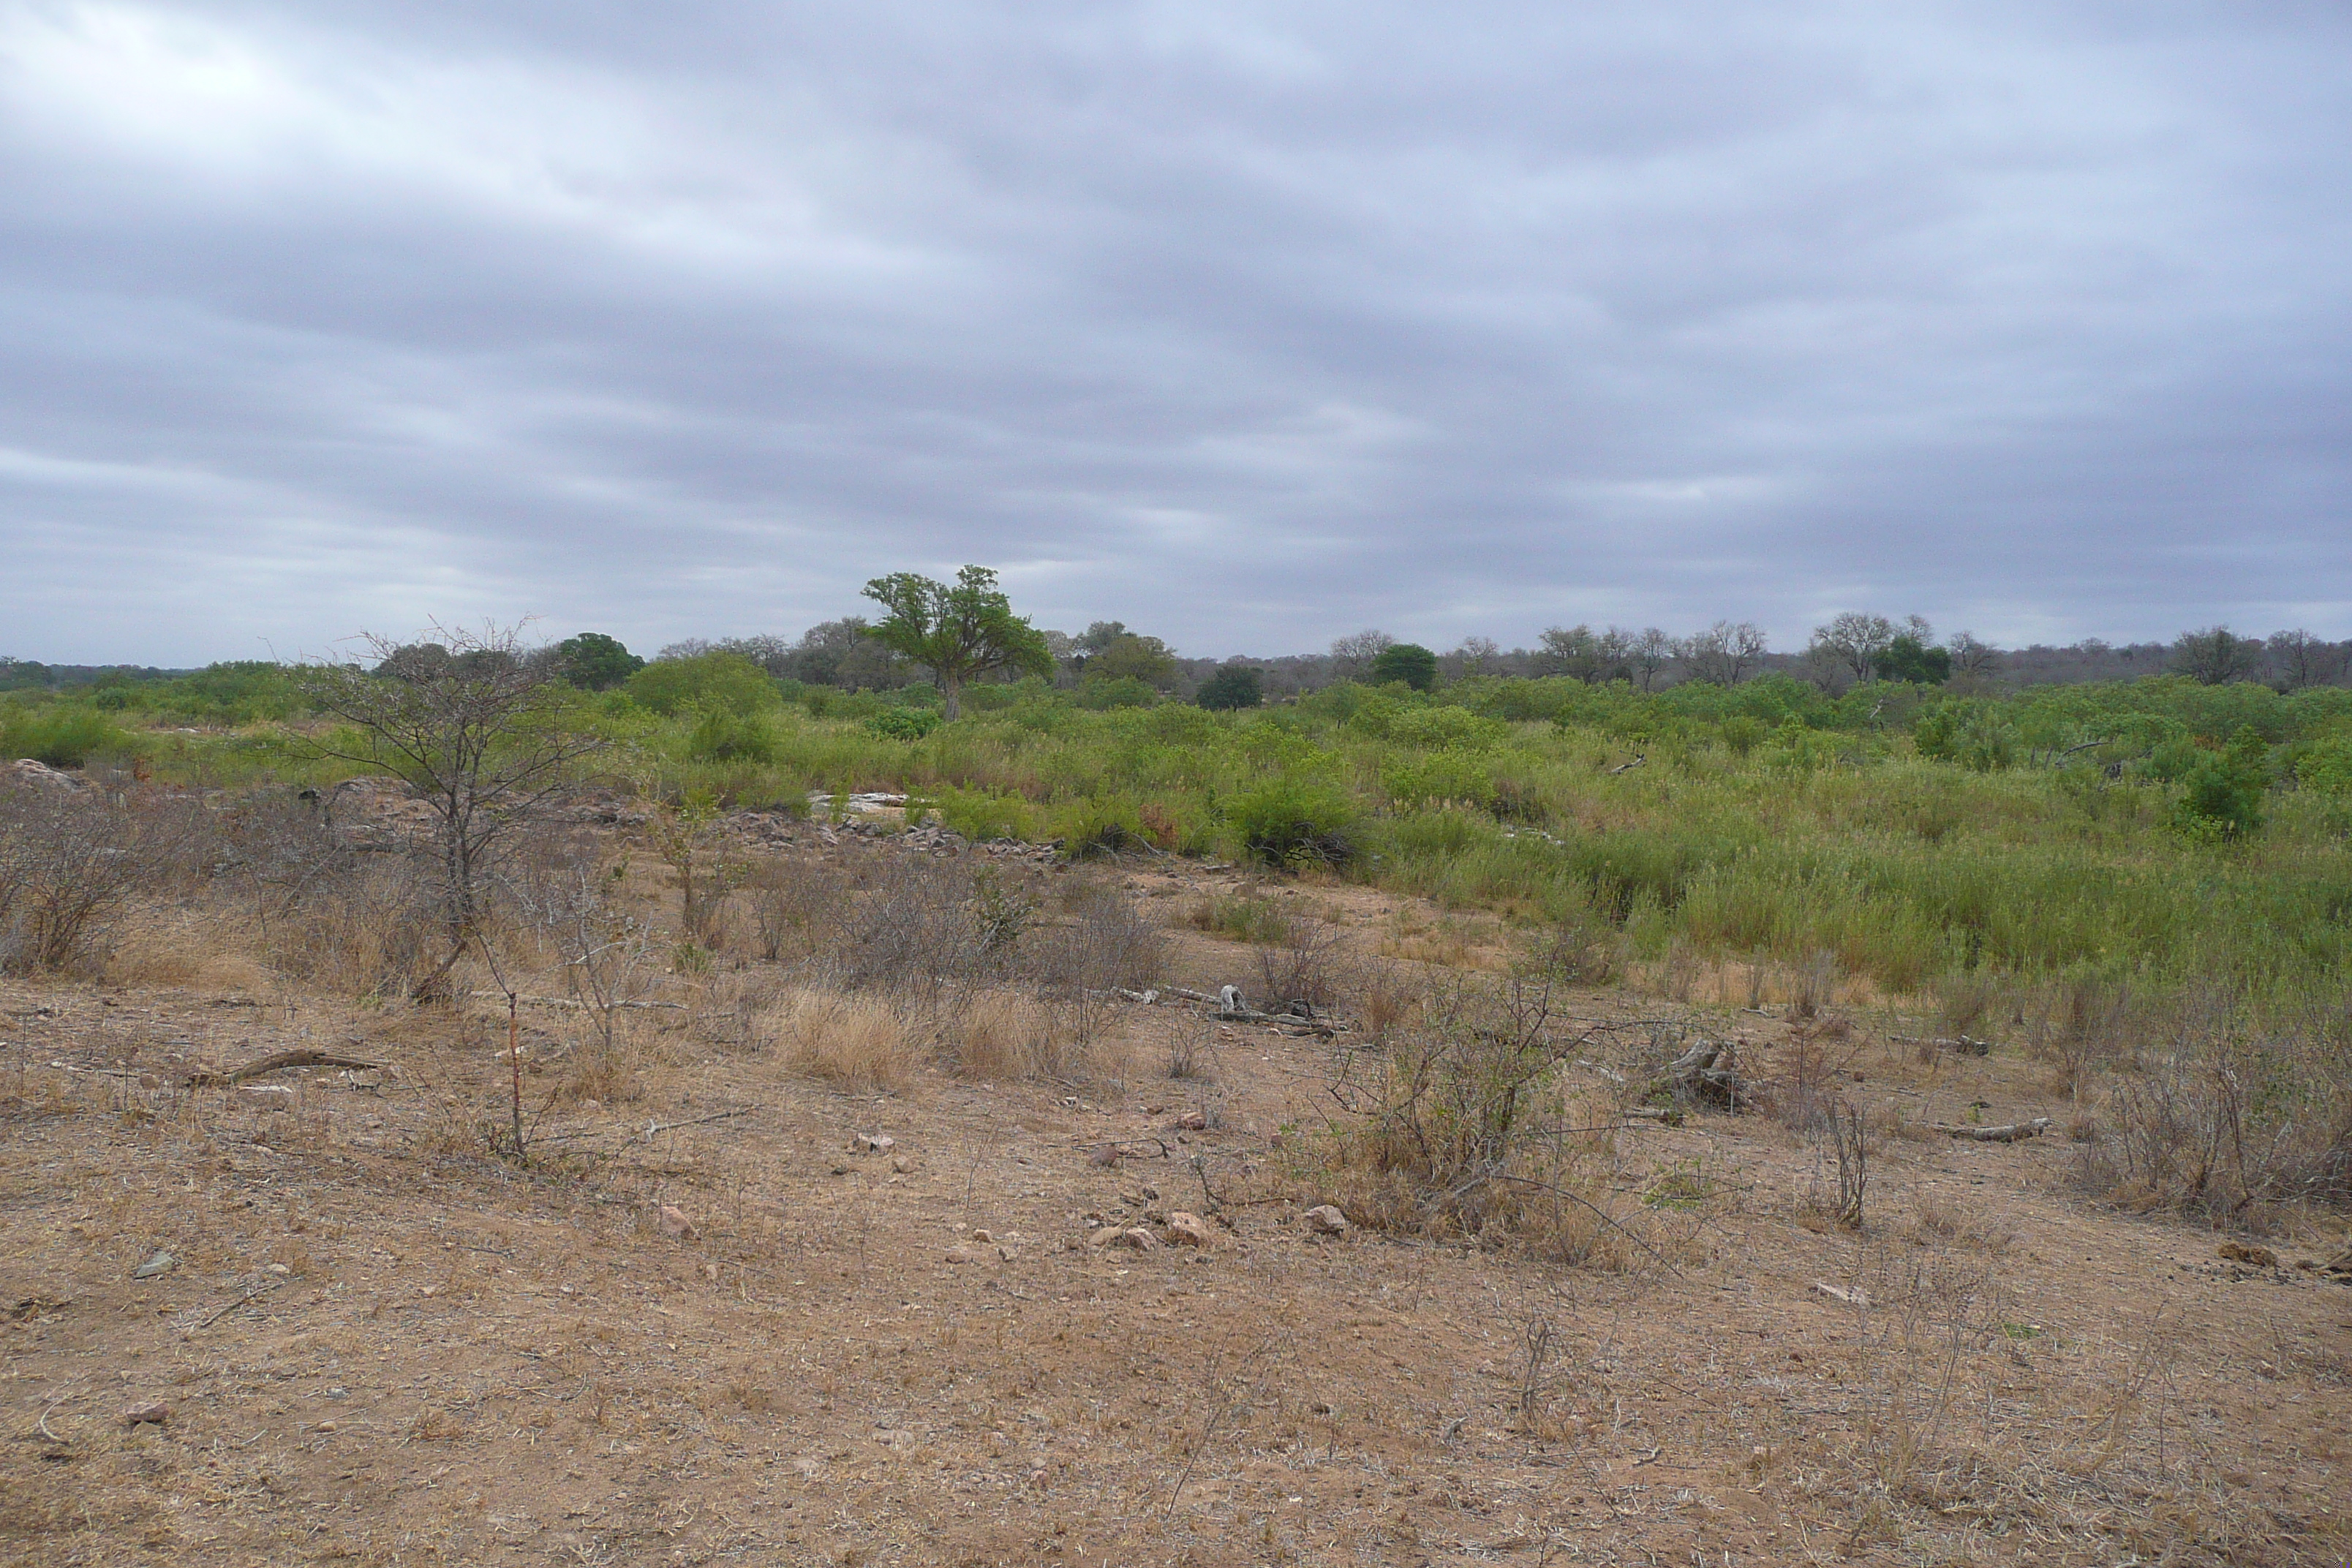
2215, 656
1478, 656
1648, 652
471, 720
2302, 659
1971, 657
1352, 654
1853, 641
686, 647
1725, 653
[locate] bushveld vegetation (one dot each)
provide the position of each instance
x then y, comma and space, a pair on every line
2157, 871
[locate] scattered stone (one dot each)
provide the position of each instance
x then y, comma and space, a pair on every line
674, 1222
1007, 1253
960, 1253
872, 1143
1187, 1230
265, 1097
983, 1234
37, 774
153, 1410
326, 1426
2253, 1257
161, 1263
1325, 1219
710, 1272
280, 1269
1140, 1238
902, 1165
1105, 1157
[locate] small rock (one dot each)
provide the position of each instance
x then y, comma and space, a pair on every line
1104, 1157
1038, 1479
1194, 1120
265, 1097
2255, 1256
901, 1163
873, 1143
983, 1234
161, 1263
674, 1222
1325, 1219
326, 1426
146, 1410
1187, 1230
280, 1269
1140, 1237
710, 1272
961, 1254
1007, 1253
428, 1289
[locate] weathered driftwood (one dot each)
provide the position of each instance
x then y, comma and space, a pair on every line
279, 1063
580, 1007
2013, 1132
1666, 1114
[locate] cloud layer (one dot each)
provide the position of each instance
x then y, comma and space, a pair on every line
1247, 325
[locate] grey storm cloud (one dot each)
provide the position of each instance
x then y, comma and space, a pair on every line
1247, 325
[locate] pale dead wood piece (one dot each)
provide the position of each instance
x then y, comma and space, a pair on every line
655, 1128
567, 1002
1627, 767
1854, 1298
2013, 1132
1655, 1113
279, 1063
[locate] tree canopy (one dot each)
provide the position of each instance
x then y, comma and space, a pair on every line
961, 632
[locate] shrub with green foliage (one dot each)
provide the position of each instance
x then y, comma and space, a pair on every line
62, 734
719, 736
1293, 822
903, 723
1908, 658
725, 682
1234, 686
1407, 661
1126, 692
2223, 792
596, 662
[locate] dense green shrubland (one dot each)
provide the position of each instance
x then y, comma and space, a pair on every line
2157, 830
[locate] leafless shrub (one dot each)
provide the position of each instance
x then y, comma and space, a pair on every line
1575, 953
913, 933
1192, 1051
1962, 1003
1079, 964
1848, 1142
2230, 1131
69, 862
1466, 1124
2080, 1023
1309, 963
1387, 995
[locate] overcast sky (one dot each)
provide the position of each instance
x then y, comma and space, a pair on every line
1249, 325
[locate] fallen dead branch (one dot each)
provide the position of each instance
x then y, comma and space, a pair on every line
2014, 1132
279, 1063
567, 1002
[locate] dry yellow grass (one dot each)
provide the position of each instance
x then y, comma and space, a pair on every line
857, 1042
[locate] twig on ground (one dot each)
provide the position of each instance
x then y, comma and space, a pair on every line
279, 1063
653, 1128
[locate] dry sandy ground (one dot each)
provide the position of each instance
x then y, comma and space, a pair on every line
380, 1345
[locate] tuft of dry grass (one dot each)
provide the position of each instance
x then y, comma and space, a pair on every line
1004, 1035
855, 1041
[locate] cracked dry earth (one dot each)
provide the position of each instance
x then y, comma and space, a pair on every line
376, 1344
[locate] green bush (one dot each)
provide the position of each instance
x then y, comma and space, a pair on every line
1125, 692
719, 736
708, 681
2223, 792
903, 723
1407, 661
1234, 686
1289, 822
62, 734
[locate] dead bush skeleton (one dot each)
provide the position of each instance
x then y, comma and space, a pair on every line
473, 723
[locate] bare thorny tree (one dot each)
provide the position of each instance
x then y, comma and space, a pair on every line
473, 721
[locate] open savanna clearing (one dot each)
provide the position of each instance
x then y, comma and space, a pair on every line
706, 1320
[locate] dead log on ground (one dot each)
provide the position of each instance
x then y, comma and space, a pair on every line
1706, 1074
2016, 1131
279, 1063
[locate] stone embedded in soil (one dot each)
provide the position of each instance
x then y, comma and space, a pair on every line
961, 1254
873, 1142
1187, 1229
152, 1410
984, 1234
1194, 1120
161, 1263
901, 1163
1325, 1219
674, 1223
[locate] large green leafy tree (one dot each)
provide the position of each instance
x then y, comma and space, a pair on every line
961, 632
596, 662
1409, 662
